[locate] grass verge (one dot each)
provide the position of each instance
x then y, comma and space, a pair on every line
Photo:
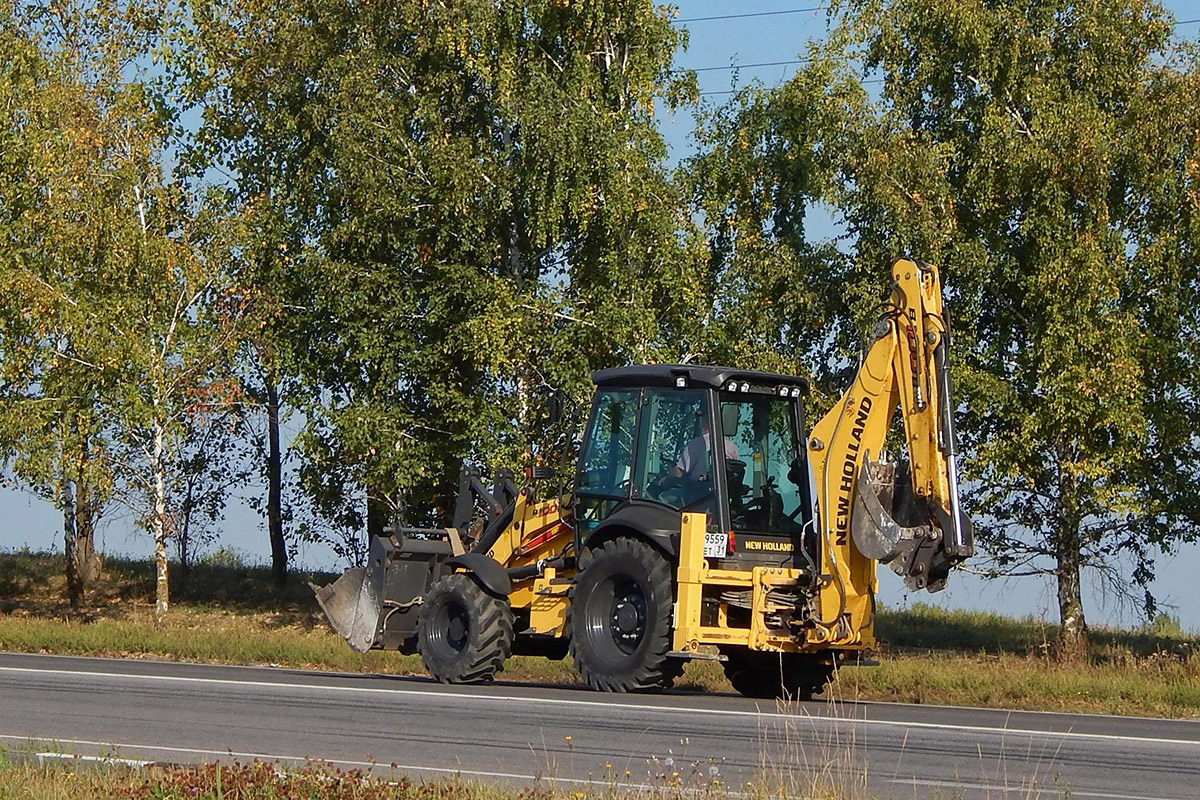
228, 615
257, 781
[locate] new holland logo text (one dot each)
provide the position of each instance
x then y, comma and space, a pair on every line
849, 467
768, 547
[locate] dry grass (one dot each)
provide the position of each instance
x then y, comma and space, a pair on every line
67, 779
256, 781
229, 615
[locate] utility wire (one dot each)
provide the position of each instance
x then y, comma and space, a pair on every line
793, 61
749, 15
753, 14
735, 91
745, 66
803, 60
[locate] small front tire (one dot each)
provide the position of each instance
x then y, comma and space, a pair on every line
464, 633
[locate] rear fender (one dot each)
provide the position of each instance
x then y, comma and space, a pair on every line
653, 523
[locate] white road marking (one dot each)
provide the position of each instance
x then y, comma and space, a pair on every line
617, 707
105, 760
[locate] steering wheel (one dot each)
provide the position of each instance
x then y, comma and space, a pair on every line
664, 482
684, 485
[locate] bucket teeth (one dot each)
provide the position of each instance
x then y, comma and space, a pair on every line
353, 604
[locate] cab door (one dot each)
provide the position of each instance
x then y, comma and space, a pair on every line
768, 501
675, 464
605, 476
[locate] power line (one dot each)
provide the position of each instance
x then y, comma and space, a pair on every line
791, 62
746, 66
818, 8
806, 60
753, 14
735, 91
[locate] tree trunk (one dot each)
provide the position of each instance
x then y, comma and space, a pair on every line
1072, 632
79, 525
377, 513
161, 581
70, 537
87, 562
159, 529
279, 555
183, 541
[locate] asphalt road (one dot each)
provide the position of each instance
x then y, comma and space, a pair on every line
518, 733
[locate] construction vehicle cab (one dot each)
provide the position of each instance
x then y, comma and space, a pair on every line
705, 520
649, 454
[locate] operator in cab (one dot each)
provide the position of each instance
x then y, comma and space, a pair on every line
695, 462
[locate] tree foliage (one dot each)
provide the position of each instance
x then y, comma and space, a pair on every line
476, 211
116, 316
1043, 153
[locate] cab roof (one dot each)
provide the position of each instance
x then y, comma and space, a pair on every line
696, 375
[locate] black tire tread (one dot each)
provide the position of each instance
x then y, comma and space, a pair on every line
492, 638
768, 675
657, 671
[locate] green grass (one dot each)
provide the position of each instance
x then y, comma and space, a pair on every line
228, 614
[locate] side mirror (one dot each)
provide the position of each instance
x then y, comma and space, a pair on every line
556, 408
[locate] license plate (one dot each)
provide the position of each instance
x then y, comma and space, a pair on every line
716, 545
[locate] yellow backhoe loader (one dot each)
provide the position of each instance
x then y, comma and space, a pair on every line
702, 523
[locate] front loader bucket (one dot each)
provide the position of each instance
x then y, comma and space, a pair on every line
353, 605
377, 606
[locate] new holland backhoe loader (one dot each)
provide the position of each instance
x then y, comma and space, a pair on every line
702, 523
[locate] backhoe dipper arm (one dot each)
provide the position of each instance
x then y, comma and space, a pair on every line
859, 500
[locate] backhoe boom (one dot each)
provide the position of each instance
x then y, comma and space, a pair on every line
905, 515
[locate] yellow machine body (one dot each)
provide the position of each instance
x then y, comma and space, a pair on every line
813, 603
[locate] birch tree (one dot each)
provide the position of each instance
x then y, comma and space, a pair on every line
474, 209
119, 317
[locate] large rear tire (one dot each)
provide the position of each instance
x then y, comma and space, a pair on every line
620, 618
785, 676
464, 633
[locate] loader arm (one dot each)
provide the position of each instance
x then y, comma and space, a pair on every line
865, 514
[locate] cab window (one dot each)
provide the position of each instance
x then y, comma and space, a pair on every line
607, 463
764, 491
675, 460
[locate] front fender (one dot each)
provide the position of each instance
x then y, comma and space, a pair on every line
486, 570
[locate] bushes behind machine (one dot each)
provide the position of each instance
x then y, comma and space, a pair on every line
230, 616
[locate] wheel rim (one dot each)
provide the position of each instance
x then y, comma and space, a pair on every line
617, 615
452, 628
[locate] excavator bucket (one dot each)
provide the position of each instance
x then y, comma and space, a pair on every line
919, 554
876, 534
353, 604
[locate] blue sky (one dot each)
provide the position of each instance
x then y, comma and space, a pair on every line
715, 45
